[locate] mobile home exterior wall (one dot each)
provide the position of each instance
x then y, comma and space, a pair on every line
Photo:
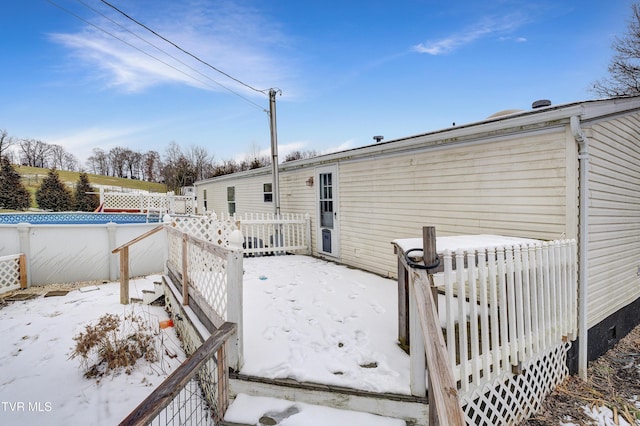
514, 175
614, 215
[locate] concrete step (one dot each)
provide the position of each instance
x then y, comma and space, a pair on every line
413, 410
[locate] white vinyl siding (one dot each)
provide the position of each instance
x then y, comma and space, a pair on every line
295, 195
516, 187
614, 216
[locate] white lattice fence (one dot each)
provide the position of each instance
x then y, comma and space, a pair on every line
207, 227
211, 275
509, 399
143, 202
207, 273
12, 273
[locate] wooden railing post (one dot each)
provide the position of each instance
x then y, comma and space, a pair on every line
185, 267
403, 304
124, 263
444, 407
430, 257
223, 382
22, 265
124, 275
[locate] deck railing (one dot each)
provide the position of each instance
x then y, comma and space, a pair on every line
263, 233
508, 313
211, 278
268, 233
196, 393
506, 305
13, 272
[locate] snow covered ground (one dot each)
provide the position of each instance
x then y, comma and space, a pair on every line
315, 321
39, 384
304, 318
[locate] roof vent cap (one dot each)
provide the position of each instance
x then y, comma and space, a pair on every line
541, 103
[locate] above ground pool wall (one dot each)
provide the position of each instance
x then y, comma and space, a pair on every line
71, 253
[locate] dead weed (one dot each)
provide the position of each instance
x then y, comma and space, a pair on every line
114, 344
613, 380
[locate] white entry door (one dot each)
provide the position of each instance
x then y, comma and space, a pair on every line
328, 228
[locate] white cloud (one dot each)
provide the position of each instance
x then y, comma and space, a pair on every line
233, 39
342, 147
487, 27
82, 142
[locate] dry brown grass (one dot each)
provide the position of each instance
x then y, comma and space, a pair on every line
613, 380
114, 344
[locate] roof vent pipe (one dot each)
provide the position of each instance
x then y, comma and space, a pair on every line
378, 138
541, 103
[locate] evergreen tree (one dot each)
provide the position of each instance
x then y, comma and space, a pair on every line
85, 202
54, 194
13, 194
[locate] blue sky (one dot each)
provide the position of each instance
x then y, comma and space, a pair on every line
347, 70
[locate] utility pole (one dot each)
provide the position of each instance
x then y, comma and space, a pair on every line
274, 150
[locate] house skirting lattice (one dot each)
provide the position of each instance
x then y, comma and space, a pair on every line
512, 398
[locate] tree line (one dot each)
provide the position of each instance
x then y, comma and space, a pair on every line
177, 168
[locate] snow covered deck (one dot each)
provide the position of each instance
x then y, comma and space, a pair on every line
315, 321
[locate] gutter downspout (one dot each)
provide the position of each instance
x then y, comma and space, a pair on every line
583, 216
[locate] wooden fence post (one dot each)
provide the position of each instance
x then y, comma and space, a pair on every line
223, 382
22, 265
124, 276
403, 304
430, 257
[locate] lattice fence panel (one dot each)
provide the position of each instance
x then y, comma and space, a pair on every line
175, 204
9, 273
207, 274
182, 204
175, 251
511, 399
156, 202
123, 201
206, 227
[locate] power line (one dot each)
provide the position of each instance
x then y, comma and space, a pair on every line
171, 56
182, 50
150, 55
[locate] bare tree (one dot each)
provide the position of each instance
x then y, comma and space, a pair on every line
133, 163
226, 168
201, 160
254, 159
118, 160
99, 162
300, 155
177, 170
624, 68
61, 159
151, 166
34, 153
5, 143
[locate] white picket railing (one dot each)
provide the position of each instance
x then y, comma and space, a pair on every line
508, 313
506, 305
266, 233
